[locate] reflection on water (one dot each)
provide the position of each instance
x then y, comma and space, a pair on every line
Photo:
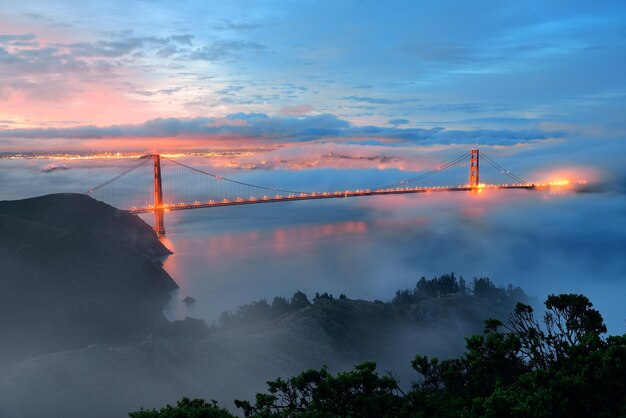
224, 269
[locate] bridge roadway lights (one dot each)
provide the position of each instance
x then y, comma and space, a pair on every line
159, 227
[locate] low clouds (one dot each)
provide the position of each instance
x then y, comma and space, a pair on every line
287, 128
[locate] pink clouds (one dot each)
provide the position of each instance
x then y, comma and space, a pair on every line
51, 76
254, 129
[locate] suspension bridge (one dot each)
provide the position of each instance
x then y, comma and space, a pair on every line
159, 184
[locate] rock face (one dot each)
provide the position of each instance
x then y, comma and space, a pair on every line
75, 271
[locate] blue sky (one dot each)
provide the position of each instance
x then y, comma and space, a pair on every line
487, 73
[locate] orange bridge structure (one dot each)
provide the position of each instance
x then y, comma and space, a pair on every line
190, 187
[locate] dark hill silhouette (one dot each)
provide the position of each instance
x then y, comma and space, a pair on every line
75, 271
81, 299
236, 360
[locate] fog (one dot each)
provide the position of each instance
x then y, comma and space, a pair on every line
567, 240
369, 247
570, 240
109, 380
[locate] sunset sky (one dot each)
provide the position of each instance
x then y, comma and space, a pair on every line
535, 76
337, 94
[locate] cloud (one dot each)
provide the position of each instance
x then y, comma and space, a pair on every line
287, 128
458, 107
377, 100
12, 39
225, 48
296, 110
126, 45
397, 122
39, 73
108, 49
54, 71
181, 39
149, 93
228, 25
46, 60
509, 121
230, 90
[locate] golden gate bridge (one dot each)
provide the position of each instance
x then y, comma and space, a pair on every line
177, 186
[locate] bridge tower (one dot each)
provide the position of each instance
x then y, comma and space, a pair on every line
159, 226
473, 174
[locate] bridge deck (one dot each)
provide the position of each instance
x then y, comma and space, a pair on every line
325, 195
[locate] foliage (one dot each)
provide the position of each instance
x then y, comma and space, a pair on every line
261, 310
586, 384
299, 300
323, 296
561, 366
444, 285
448, 284
185, 408
317, 393
571, 325
448, 385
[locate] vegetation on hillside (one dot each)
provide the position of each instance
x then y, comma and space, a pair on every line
448, 284
445, 285
559, 366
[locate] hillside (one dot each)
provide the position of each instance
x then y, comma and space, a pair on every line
236, 361
75, 271
82, 329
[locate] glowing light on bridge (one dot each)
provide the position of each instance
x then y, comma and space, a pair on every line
225, 192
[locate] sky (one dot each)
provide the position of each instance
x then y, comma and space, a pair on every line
523, 76
359, 85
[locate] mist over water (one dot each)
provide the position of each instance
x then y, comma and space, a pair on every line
370, 247
366, 248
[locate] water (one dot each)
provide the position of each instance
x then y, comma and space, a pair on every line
370, 247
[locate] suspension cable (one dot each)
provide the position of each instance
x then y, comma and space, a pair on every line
502, 169
231, 180
119, 176
428, 173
